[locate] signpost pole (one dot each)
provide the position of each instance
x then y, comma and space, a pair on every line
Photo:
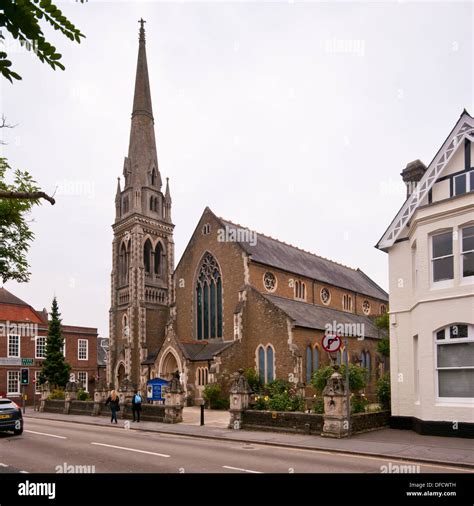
23, 398
348, 395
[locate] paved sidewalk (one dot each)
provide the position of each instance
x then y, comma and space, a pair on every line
389, 443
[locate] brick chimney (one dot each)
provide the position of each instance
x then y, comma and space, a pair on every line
412, 174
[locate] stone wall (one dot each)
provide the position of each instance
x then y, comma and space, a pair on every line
149, 413
285, 421
54, 406
363, 422
308, 423
81, 408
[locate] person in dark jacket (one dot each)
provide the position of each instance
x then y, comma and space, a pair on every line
114, 402
136, 406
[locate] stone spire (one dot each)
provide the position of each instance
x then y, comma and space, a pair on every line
118, 200
142, 156
168, 200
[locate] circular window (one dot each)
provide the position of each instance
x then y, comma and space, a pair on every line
269, 281
325, 295
366, 307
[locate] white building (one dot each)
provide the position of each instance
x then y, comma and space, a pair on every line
430, 244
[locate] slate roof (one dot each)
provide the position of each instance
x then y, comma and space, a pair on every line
203, 351
316, 317
284, 256
8, 298
102, 351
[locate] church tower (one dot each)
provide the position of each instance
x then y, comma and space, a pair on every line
143, 247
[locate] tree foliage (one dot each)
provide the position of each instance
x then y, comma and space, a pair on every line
55, 368
15, 234
383, 323
22, 19
357, 377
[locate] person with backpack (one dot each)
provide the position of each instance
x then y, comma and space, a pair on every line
114, 401
136, 406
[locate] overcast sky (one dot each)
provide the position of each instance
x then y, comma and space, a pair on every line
293, 119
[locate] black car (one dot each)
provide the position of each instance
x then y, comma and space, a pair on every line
10, 416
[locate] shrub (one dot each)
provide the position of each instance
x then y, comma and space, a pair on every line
213, 395
357, 377
57, 394
82, 395
359, 403
383, 391
261, 402
318, 406
253, 380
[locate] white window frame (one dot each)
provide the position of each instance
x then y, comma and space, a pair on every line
86, 382
467, 176
11, 393
447, 341
36, 347
37, 385
445, 283
79, 341
468, 279
19, 345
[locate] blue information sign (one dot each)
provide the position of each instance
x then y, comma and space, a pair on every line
154, 389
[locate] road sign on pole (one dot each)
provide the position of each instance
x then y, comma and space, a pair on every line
331, 343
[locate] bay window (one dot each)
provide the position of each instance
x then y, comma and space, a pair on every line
442, 256
455, 361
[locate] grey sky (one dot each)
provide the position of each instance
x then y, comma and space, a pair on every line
294, 119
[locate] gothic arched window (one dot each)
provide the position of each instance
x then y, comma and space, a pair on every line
147, 249
209, 299
153, 177
261, 364
124, 260
158, 259
266, 363
309, 363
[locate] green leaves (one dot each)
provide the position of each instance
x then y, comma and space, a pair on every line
15, 234
21, 19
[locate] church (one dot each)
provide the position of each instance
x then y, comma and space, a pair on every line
236, 299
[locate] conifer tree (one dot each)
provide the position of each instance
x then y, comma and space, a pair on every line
55, 368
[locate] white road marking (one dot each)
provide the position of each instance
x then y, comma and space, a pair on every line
131, 449
3, 465
45, 434
240, 469
24, 472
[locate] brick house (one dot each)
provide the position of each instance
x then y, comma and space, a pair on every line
236, 299
23, 332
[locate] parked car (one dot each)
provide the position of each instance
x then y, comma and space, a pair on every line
10, 416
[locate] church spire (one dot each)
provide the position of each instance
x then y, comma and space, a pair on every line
142, 148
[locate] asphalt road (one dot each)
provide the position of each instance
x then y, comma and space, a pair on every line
51, 446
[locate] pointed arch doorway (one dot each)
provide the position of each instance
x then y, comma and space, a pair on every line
169, 364
120, 374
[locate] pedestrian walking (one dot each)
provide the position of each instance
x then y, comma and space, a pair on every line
113, 400
136, 406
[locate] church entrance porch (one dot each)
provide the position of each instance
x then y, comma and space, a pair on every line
169, 364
